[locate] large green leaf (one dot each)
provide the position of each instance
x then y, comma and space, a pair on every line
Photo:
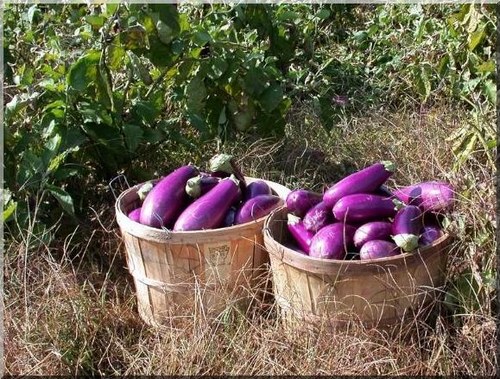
84, 71
271, 97
196, 93
64, 198
476, 37
133, 136
134, 37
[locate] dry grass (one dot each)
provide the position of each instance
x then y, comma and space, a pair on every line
70, 306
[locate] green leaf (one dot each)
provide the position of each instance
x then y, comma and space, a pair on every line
271, 97
255, 82
97, 22
201, 38
423, 83
115, 55
139, 69
490, 90
198, 122
63, 198
134, 37
84, 71
196, 94
487, 67
144, 112
9, 211
288, 16
218, 68
464, 149
165, 33
323, 14
30, 170
476, 37
110, 8
133, 136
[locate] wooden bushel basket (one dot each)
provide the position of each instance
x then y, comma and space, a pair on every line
379, 293
179, 274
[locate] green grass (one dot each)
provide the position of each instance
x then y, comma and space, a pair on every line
70, 305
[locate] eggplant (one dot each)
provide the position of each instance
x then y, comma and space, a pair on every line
135, 215
406, 227
259, 187
366, 180
256, 207
383, 191
332, 241
209, 210
374, 230
300, 234
164, 203
378, 249
429, 234
299, 201
318, 217
433, 196
229, 219
363, 207
200, 185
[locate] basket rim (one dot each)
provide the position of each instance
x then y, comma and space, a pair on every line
162, 235
294, 257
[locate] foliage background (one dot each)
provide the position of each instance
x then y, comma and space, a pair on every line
94, 92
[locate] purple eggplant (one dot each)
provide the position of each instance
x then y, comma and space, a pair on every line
301, 235
229, 219
434, 196
383, 191
163, 204
135, 215
429, 234
209, 210
362, 207
374, 230
200, 185
332, 241
259, 187
406, 227
299, 201
318, 217
378, 249
366, 180
256, 207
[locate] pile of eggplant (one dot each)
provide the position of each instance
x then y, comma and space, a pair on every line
188, 199
359, 217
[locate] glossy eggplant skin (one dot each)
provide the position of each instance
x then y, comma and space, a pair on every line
431, 196
375, 249
406, 227
300, 234
256, 188
367, 180
209, 210
299, 201
318, 217
256, 207
163, 204
332, 241
362, 207
373, 230
135, 215
429, 234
